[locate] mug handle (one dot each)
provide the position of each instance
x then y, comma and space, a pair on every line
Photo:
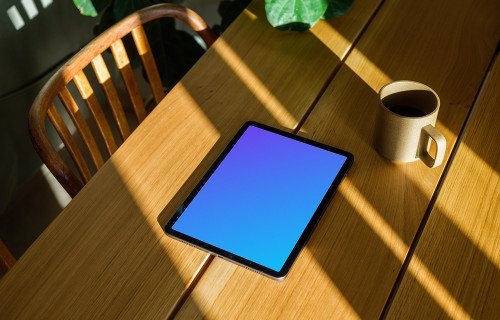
434, 134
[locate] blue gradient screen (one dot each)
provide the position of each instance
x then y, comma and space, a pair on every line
261, 197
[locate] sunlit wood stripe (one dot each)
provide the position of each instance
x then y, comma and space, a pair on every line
123, 64
94, 106
461, 240
104, 78
351, 262
106, 255
141, 41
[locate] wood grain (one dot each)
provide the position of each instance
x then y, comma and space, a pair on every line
351, 262
106, 255
455, 271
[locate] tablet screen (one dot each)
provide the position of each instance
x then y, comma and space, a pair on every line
260, 197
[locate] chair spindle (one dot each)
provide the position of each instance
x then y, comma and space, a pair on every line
90, 99
81, 126
141, 41
123, 63
104, 79
70, 143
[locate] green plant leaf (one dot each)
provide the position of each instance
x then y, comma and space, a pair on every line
337, 8
86, 7
91, 7
296, 15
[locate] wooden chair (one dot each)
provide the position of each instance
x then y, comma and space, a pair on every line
6, 258
44, 106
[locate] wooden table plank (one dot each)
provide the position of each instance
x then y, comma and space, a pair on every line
455, 270
351, 262
106, 255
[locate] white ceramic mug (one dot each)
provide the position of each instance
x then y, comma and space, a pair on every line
405, 125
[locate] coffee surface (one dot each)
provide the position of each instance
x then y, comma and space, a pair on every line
407, 111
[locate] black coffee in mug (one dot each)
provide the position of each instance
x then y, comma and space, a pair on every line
407, 111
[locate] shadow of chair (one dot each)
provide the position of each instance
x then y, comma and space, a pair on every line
57, 87
6, 258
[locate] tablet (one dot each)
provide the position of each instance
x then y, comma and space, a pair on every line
259, 202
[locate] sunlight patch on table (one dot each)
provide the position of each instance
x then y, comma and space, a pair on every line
365, 69
214, 280
254, 84
343, 308
415, 174
483, 230
467, 224
369, 72
153, 184
331, 38
384, 231
218, 282
176, 133
397, 246
445, 131
436, 290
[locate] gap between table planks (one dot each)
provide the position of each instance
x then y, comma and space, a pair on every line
455, 270
352, 260
105, 255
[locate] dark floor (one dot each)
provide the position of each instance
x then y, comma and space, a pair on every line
32, 209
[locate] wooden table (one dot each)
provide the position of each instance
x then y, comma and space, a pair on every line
106, 255
455, 270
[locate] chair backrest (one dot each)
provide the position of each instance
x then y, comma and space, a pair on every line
44, 106
6, 258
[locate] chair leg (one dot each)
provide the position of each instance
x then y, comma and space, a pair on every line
7, 260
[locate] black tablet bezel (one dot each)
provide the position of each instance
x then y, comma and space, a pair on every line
277, 275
